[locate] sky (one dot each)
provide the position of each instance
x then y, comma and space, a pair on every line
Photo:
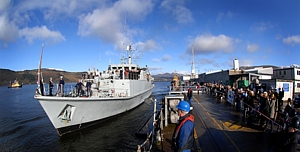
166, 35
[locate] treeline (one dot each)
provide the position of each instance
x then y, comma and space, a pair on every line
30, 76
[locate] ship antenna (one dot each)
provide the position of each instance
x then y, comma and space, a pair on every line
124, 32
193, 69
99, 60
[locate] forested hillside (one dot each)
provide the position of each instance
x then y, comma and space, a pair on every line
30, 76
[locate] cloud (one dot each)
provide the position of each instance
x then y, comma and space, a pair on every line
252, 47
171, 27
108, 23
154, 68
41, 33
229, 14
104, 24
181, 14
230, 62
109, 52
16, 15
166, 58
57, 9
100, 19
4, 4
183, 72
246, 62
8, 30
149, 45
209, 44
204, 61
261, 26
155, 60
216, 65
292, 40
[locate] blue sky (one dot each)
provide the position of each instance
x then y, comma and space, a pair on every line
82, 34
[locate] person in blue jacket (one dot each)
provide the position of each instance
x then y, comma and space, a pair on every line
183, 136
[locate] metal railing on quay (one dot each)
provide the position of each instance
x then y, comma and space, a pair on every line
154, 134
268, 118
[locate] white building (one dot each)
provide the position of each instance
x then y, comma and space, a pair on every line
232, 77
289, 73
287, 86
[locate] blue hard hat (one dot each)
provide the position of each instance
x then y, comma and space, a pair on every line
183, 105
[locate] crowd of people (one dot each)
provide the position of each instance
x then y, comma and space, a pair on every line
267, 108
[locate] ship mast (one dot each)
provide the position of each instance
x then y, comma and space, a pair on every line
129, 49
193, 68
40, 79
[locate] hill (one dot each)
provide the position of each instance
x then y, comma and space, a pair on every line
165, 77
30, 76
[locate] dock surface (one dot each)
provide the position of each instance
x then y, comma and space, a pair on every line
219, 128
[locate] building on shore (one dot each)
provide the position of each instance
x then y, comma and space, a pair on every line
289, 73
271, 77
237, 77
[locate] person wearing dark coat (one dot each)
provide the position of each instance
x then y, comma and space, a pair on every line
78, 86
288, 106
287, 142
50, 87
88, 87
264, 109
61, 85
251, 97
245, 98
42, 87
280, 96
190, 95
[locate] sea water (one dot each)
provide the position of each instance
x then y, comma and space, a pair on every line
24, 126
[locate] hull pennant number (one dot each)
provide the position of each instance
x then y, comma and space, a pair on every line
67, 113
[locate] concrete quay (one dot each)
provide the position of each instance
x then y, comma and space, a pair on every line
219, 127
